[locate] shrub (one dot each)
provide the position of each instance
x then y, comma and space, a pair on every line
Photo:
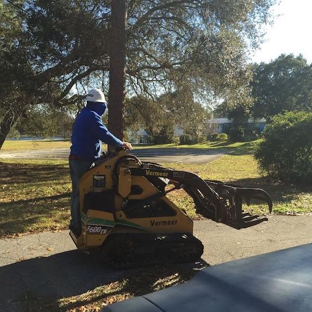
286, 150
213, 137
250, 137
14, 133
237, 134
176, 140
166, 135
187, 139
222, 137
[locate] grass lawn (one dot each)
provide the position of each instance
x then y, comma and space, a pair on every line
23, 145
35, 196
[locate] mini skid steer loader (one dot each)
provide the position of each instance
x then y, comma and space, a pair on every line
127, 217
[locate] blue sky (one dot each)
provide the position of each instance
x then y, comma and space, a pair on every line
291, 32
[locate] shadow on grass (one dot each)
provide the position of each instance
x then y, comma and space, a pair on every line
281, 193
29, 173
33, 197
22, 216
246, 148
40, 210
39, 284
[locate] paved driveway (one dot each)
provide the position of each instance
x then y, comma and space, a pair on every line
47, 265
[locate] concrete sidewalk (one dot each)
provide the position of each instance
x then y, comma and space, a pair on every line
47, 265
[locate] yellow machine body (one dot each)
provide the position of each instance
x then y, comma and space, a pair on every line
127, 216
103, 214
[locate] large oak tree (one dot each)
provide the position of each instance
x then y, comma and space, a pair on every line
285, 84
51, 51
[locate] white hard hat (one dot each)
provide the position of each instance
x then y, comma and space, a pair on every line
95, 95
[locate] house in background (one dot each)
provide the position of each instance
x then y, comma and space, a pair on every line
141, 136
259, 124
178, 131
219, 125
214, 125
223, 125
138, 137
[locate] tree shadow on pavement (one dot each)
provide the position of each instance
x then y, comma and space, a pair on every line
39, 283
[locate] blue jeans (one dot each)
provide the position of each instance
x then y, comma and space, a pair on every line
77, 169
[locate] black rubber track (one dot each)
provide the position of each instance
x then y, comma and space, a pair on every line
130, 250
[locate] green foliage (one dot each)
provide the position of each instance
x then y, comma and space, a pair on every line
282, 85
45, 49
145, 113
285, 153
198, 44
187, 139
50, 48
44, 121
237, 134
212, 137
285, 84
222, 137
14, 133
166, 135
176, 140
169, 110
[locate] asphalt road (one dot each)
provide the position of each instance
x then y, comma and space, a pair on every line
160, 155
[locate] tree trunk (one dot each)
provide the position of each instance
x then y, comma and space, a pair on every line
117, 69
8, 121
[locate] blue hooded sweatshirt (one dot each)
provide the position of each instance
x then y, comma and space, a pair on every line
89, 132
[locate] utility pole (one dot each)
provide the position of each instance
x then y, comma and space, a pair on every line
117, 73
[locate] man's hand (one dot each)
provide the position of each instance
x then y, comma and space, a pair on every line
126, 145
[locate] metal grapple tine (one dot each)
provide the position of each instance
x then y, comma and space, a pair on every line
248, 223
245, 193
230, 210
255, 193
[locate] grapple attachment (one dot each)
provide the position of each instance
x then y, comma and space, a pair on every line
223, 203
215, 200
